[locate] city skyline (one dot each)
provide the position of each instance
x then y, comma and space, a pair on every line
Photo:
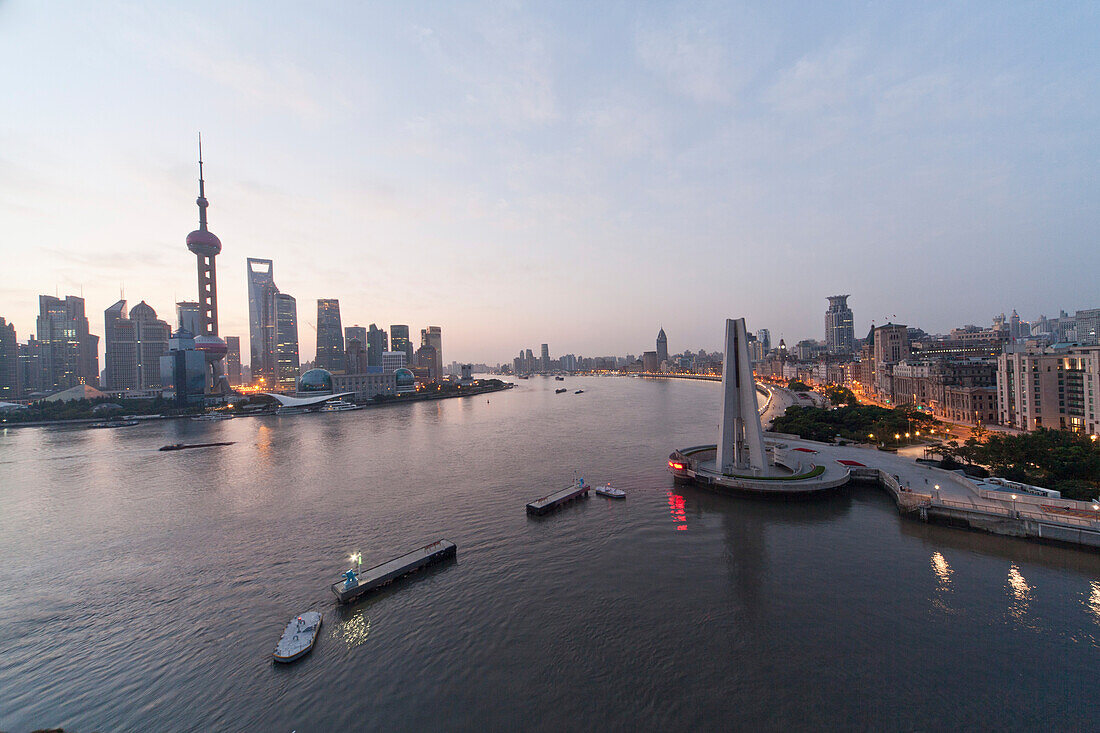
505, 171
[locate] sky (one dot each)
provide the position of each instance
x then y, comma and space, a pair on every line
579, 174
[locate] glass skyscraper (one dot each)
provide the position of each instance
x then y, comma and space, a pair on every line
330, 336
285, 329
261, 319
839, 326
399, 341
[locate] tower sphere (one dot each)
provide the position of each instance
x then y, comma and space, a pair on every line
204, 242
213, 348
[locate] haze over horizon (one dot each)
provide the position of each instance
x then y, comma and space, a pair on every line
526, 173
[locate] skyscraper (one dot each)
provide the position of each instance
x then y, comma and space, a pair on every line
206, 247
286, 341
839, 326
764, 336
433, 336
261, 319
355, 357
152, 336
544, 358
121, 348
233, 360
10, 387
399, 341
188, 317
330, 336
68, 354
662, 347
377, 343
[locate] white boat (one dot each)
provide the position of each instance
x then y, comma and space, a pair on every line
340, 406
610, 491
213, 416
299, 637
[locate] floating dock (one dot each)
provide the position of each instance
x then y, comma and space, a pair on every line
550, 502
352, 587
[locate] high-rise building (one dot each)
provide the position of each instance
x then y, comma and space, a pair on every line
261, 319
152, 335
330, 336
428, 361
649, 362
399, 341
287, 365
233, 360
544, 358
839, 326
189, 317
392, 361
891, 345
10, 382
1088, 326
121, 358
206, 247
355, 357
30, 370
183, 370
377, 343
433, 336
662, 347
68, 354
764, 336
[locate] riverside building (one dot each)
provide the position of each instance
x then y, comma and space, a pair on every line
1053, 387
330, 336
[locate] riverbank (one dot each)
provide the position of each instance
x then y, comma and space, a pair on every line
395, 400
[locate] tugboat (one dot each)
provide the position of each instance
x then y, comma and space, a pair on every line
579, 391
610, 491
560, 379
299, 637
559, 391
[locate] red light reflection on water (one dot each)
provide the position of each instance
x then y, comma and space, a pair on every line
676, 509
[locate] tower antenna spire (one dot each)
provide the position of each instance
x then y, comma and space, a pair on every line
201, 200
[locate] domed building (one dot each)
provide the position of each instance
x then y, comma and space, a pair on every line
315, 381
406, 380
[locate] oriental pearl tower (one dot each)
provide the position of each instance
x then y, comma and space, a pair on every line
206, 247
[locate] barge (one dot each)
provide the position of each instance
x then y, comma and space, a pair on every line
548, 503
357, 583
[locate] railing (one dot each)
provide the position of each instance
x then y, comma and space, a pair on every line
1019, 513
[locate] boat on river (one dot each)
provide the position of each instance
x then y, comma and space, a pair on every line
610, 491
559, 391
114, 424
579, 391
299, 637
186, 446
212, 416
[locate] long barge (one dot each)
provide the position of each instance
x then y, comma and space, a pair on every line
188, 446
550, 502
356, 584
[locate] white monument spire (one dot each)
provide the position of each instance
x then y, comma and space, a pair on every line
740, 437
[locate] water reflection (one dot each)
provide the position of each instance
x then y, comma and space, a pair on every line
942, 570
354, 631
676, 509
1021, 594
1094, 601
943, 574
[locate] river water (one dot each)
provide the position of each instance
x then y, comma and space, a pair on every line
142, 590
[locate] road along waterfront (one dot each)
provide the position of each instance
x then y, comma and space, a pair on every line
143, 590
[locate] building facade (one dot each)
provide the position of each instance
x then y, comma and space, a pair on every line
662, 347
68, 354
261, 319
1052, 387
330, 336
10, 377
433, 336
839, 326
377, 343
399, 341
287, 365
233, 360
121, 358
392, 361
365, 386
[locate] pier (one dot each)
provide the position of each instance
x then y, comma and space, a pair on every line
357, 584
550, 502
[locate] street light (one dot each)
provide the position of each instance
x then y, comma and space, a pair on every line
1013, 505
